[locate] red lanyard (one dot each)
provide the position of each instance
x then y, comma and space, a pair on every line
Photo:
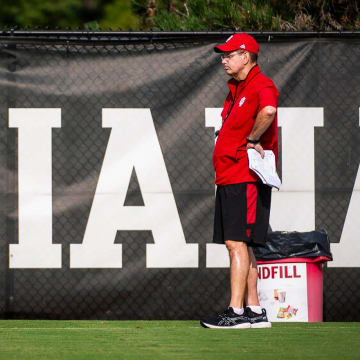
233, 103
229, 111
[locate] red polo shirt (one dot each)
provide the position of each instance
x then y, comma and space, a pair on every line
244, 101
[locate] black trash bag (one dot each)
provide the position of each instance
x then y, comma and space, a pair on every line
283, 244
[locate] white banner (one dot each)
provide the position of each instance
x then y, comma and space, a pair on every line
282, 291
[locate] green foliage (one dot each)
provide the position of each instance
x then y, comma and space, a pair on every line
118, 14
169, 21
88, 14
211, 15
39, 13
248, 15
258, 16
187, 15
322, 15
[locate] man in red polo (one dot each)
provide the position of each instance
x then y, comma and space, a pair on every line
242, 207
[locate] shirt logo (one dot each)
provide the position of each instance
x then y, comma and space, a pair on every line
242, 46
229, 38
241, 102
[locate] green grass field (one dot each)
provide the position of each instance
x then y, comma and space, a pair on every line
36, 339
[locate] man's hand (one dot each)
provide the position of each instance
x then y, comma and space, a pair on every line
257, 147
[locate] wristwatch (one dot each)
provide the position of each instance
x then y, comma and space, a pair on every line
252, 141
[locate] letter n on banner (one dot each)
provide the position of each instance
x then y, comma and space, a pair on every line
346, 252
35, 248
133, 143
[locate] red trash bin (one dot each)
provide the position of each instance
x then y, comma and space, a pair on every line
291, 289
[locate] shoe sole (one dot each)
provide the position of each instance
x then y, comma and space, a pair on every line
239, 326
261, 325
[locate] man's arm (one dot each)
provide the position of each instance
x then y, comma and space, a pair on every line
263, 120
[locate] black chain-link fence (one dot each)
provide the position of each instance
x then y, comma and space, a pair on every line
177, 76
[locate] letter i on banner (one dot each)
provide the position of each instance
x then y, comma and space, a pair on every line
133, 143
35, 248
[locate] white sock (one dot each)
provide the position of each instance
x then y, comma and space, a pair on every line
256, 309
238, 311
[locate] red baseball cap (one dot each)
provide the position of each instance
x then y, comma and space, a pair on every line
239, 41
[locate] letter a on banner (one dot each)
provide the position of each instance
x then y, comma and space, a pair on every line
35, 248
132, 144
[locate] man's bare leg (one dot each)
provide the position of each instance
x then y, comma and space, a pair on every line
251, 297
257, 315
239, 271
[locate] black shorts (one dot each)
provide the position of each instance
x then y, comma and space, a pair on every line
242, 213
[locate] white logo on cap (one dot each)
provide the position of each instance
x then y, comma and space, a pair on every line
229, 38
241, 102
242, 46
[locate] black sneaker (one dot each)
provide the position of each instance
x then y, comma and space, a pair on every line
257, 320
227, 320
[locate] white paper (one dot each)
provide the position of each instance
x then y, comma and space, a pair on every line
265, 168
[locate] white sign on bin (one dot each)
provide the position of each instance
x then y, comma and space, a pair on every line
282, 289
